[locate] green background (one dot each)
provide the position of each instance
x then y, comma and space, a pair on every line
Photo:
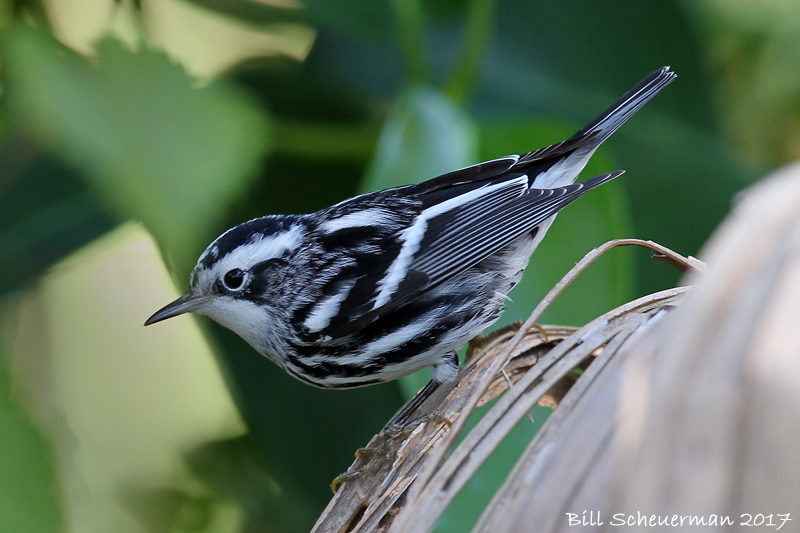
123, 127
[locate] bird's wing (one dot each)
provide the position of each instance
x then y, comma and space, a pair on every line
465, 216
457, 228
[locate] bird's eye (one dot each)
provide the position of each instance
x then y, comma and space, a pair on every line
234, 278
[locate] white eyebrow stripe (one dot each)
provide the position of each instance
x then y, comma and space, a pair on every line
412, 236
260, 249
367, 217
326, 309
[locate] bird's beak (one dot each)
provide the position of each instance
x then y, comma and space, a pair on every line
188, 303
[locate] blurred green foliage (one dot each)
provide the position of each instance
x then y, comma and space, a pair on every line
391, 91
27, 500
119, 119
424, 134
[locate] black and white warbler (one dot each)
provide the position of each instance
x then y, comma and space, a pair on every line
387, 283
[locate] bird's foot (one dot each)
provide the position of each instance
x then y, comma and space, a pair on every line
395, 431
387, 446
382, 451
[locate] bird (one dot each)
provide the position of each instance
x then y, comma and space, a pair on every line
387, 283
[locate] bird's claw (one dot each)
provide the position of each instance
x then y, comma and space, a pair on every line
384, 450
542, 332
356, 472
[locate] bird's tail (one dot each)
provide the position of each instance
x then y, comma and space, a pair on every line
560, 164
613, 117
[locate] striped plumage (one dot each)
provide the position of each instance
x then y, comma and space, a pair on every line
387, 283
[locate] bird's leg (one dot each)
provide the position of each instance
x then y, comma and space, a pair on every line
402, 424
401, 420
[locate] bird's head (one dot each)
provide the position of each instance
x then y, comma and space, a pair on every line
238, 279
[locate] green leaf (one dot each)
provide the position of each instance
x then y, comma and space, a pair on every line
154, 147
412, 21
478, 33
254, 12
27, 500
46, 212
425, 135
370, 19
